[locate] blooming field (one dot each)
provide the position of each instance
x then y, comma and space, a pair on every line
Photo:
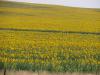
50, 51
42, 37
46, 17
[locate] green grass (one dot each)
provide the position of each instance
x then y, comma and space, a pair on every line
41, 37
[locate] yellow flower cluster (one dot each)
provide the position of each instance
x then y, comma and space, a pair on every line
47, 48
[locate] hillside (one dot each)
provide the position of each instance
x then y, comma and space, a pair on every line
48, 17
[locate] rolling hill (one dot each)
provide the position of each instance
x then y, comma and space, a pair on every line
48, 17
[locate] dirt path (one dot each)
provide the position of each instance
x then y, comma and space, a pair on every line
52, 31
41, 73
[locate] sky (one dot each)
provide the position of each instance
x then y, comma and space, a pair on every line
72, 3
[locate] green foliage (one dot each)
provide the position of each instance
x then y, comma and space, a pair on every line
1, 65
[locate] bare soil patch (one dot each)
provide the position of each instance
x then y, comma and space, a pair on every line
41, 73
